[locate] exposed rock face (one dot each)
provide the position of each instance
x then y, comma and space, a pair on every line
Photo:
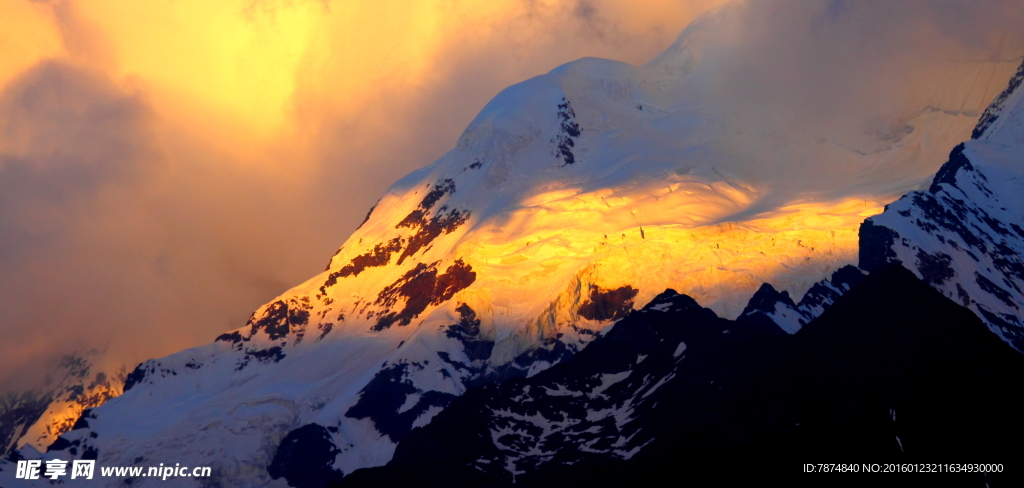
18, 411
305, 458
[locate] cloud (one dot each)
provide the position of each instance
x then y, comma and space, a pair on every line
118, 234
827, 60
802, 83
67, 138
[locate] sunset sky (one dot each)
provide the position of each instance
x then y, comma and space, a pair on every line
166, 166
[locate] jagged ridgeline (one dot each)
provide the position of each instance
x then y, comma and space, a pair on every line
496, 292
892, 372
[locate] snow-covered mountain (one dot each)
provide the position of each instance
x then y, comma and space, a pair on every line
893, 365
571, 199
879, 366
965, 234
37, 416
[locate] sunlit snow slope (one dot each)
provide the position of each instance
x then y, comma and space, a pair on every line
37, 417
570, 199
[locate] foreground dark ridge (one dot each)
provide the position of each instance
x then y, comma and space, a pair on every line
892, 372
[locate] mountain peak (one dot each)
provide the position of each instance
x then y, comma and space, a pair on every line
990, 122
